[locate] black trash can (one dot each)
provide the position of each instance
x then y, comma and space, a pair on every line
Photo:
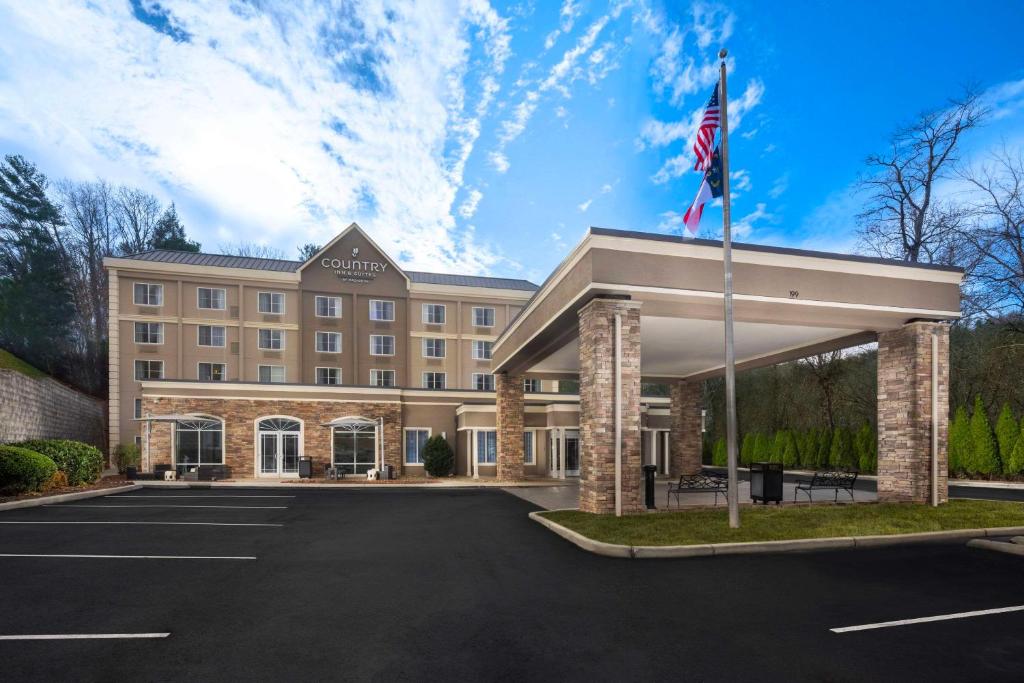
305, 468
649, 472
766, 482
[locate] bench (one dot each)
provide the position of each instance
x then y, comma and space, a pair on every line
697, 483
829, 480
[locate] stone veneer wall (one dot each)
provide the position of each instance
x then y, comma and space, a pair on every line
597, 406
509, 420
685, 411
904, 412
240, 416
43, 408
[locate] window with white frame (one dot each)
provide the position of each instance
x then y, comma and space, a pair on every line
528, 441
486, 447
198, 441
433, 348
211, 335
382, 378
415, 440
271, 374
147, 294
435, 380
482, 349
483, 316
213, 372
138, 408
211, 298
382, 345
382, 310
433, 314
328, 306
149, 333
271, 302
531, 385
149, 369
483, 381
328, 342
271, 340
328, 375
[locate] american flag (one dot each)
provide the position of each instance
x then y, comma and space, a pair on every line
705, 142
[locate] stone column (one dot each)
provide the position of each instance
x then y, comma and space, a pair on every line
597, 406
685, 413
509, 423
905, 412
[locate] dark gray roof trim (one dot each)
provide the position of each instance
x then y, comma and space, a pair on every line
471, 281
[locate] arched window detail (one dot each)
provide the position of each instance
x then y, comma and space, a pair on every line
198, 440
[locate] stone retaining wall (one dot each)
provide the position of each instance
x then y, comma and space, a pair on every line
44, 408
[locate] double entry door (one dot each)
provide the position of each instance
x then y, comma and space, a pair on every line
565, 452
279, 450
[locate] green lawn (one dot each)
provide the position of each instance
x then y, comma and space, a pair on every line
771, 523
9, 361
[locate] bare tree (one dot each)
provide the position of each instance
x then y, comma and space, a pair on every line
904, 218
136, 216
827, 369
252, 250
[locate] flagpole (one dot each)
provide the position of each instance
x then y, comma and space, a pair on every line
730, 352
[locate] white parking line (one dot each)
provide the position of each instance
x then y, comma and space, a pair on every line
84, 636
160, 495
925, 620
134, 557
221, 507
148, 523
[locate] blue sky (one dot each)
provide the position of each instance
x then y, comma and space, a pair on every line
485, 137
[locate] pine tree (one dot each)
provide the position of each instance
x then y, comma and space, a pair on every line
308, 251
867, 451
169, 233
809, 450
1015, 463
779, 445
841, 453
720, 456
790, 454
960, 442
984, 458
747, 449
1007, 432
762, 449
824, 448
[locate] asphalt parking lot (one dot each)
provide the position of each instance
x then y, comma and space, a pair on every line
459, 584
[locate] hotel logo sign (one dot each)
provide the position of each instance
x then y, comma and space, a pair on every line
354, 269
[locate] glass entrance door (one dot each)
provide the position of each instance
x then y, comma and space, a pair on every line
279, 444
572, 453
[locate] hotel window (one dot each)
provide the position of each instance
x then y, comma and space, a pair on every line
213, 372
482, 350
433, 348
271, 302
382, 310
211, 335
483, 381
271, 340
483, 317
486, 447
531, 386
382, 378
434, 380
328, 342
433, 314
528, 448
198, 442
328, 375
415, 440
138, 408
213, 299
328, 306
148, 369
149, 333
145, 294
271, 374
382, 345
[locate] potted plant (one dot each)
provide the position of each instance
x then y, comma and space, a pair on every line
128, 459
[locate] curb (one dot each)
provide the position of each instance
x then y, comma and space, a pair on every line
755, 547
181, 484
998, 546
66, 497
982, 484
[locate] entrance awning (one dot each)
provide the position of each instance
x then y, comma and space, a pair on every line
350, 422
177, 417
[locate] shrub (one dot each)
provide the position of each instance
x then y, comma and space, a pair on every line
1015, 463
984, 458
747, 449
866, 448
720, 456
438, 458
809, 449
824, 448
128, 455
762, 449
960, 442
23, 470
1007, 432
790, 455
841, 452
59, 480
80, 462
779, 445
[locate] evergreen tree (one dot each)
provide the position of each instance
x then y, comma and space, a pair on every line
720, 456
867, 449
984, 458
1014, 465
841, 453
824, 448
747, 449
959, 447
809, 452
1007, 432
779, 445
308, 251
169, 233
790, 453
762, 449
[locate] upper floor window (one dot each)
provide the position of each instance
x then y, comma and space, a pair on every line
212, 372
483, 381
271, 302
210, 298
433, 348
328, 375
328, 342
434, 380
433, 314
382, 345
382, 378
149, 369
382, 310
483, 316
145, 294
271, 374
149, 333
482, 349
531, 385
271, 340
328, 306
211, 335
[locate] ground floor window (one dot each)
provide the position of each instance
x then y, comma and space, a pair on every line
355, 447
415, 440
198, 442
487, 447
528, 447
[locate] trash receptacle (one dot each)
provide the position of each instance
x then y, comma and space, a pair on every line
305, 468
386, 472
766, 482
649, 472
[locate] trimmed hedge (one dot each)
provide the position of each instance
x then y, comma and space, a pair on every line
80, 462
23, 470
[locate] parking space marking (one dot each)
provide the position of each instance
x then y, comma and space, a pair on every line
925, 620
83, 636
171, 505
132, 557
161, 495
147, 523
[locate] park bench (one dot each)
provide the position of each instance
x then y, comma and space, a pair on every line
829, 480
697, 483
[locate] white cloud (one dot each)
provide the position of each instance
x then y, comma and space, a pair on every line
561, 112
585, 205
745, 226
779, 187
606, 188
470, 203
740, 181
499, 161
676, 73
